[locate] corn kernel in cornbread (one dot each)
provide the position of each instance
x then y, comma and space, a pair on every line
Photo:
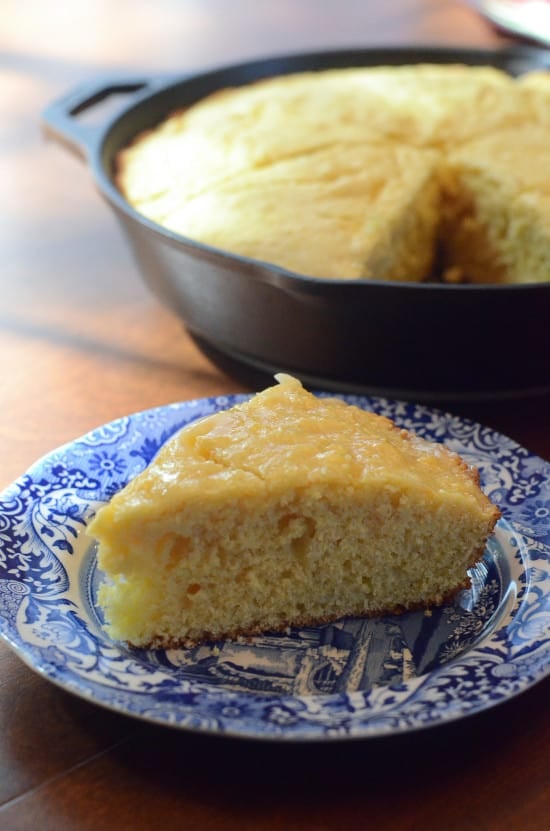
287, 509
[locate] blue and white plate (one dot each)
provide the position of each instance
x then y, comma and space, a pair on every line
350, 678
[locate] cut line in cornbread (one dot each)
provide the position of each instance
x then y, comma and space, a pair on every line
288, 509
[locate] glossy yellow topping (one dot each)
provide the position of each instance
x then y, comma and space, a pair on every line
286, 438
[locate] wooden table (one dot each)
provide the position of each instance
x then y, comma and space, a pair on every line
83, 342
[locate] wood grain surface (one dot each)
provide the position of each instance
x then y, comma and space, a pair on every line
83, 342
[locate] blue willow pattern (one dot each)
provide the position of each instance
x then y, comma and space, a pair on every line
349, 678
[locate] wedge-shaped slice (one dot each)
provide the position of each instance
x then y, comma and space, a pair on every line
344, 211
496, 212
288, 509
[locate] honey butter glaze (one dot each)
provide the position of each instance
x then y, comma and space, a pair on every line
281, 441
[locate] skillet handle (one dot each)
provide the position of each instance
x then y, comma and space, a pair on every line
60, 122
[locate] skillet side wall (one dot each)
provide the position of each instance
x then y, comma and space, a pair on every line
413, 337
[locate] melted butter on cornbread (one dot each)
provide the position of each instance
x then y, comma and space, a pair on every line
287, 509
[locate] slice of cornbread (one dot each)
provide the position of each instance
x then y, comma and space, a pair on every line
496, 211
309, 213
287, 509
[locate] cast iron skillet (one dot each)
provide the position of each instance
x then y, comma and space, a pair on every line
418, 341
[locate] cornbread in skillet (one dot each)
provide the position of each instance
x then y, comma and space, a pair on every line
340, 173
287, 509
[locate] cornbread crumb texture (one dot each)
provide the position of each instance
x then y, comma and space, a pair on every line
286, 509
324, 221
496, 219
346, 173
